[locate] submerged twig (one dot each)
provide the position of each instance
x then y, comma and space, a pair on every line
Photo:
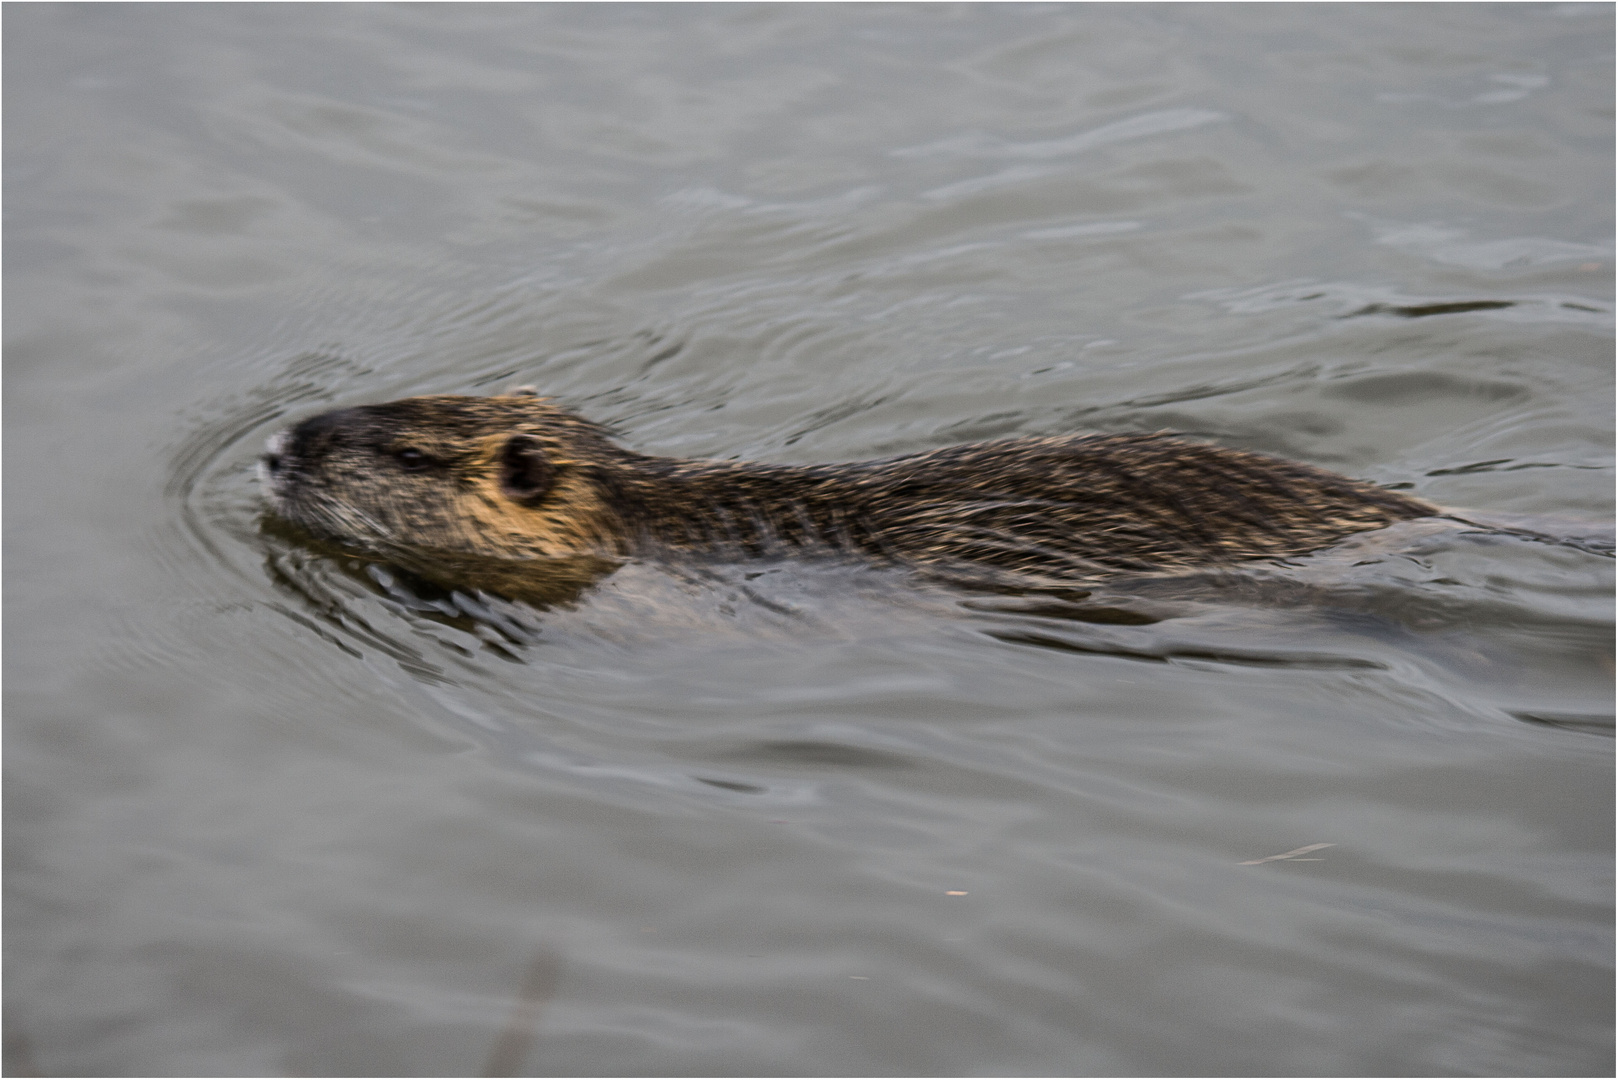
523, 1024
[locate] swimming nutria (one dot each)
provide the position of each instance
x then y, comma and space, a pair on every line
514, 482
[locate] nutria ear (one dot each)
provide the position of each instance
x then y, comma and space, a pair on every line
526, 474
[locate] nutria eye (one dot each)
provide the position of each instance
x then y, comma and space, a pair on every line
526, 474
413, 460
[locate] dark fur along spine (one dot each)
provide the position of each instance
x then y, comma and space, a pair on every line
1053, 506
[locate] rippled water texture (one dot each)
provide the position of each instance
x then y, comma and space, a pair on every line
270, 812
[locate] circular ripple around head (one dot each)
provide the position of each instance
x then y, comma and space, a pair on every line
211, 475
212, 486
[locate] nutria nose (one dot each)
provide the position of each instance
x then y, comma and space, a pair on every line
273, 459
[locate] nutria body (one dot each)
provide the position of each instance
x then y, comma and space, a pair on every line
514, 482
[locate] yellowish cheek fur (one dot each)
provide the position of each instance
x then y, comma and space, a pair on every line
570, 521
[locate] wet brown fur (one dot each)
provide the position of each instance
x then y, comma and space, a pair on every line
518, 482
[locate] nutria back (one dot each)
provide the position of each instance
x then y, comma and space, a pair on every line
515, 480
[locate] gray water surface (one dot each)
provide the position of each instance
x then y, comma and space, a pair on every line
268, 812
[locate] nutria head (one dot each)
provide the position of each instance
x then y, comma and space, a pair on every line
508, 477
